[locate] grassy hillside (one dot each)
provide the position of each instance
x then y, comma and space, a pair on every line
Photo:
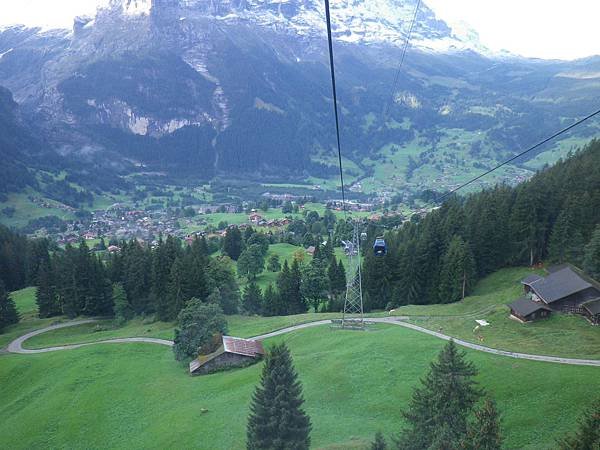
560, 335
354, 385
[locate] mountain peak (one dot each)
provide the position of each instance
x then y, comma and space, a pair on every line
132, 7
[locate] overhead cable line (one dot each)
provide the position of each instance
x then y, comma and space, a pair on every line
406, 42
335, 106
555, 135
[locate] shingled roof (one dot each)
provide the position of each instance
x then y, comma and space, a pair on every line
525, 306
245, 347
558, 285
531, 279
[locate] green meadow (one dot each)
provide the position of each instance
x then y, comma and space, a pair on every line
136, 395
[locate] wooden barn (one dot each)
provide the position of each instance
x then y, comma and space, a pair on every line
528, 310
233, 352
564, 289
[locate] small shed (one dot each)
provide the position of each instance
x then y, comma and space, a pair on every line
233, 352
527, 310
591, 310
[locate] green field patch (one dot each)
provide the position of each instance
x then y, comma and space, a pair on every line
355, 383
557, 151
25, 302
560, 335
29, 205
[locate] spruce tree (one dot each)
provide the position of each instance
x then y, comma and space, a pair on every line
591, 260
457, 275
296, 301
177, 294
232, 243
314, 282
284, 290
252, 298
566, 240
270, 301
273, 264
438, 411
8, 311
122, 309
277, 420
484, 432
45, 295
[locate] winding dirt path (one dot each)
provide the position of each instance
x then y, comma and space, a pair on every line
16, 346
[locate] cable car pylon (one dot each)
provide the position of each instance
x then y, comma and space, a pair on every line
353, 315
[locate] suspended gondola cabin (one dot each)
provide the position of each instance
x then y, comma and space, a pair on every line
379, 248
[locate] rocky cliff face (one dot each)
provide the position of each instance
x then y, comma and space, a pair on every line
242, 86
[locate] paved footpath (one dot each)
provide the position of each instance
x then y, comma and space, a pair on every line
16, 346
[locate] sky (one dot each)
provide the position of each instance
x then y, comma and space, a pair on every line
563, 29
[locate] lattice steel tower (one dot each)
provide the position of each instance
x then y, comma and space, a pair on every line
353, 304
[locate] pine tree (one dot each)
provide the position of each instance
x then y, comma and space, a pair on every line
457, 275
270, 301
252, 298
8, 310
232, 243
379, 443
439, 409
587, 437
566, 241
277, 420
161, 269
45, 295
591, 260
296, 302
122, 308
284, 289
195, 265
177, 294
484, 433
314, 282
337, 277
273, 264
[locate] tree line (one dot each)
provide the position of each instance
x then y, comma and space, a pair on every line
438, 259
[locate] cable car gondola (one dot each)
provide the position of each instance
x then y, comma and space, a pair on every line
379, 248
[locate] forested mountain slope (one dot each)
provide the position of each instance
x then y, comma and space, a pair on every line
548, 218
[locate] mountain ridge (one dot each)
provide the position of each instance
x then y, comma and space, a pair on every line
240, 88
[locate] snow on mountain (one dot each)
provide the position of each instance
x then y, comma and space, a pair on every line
133, 7
354, 21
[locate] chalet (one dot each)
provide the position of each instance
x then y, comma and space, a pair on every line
255, 218
527, 310
564, 289
233, 352
311, 250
